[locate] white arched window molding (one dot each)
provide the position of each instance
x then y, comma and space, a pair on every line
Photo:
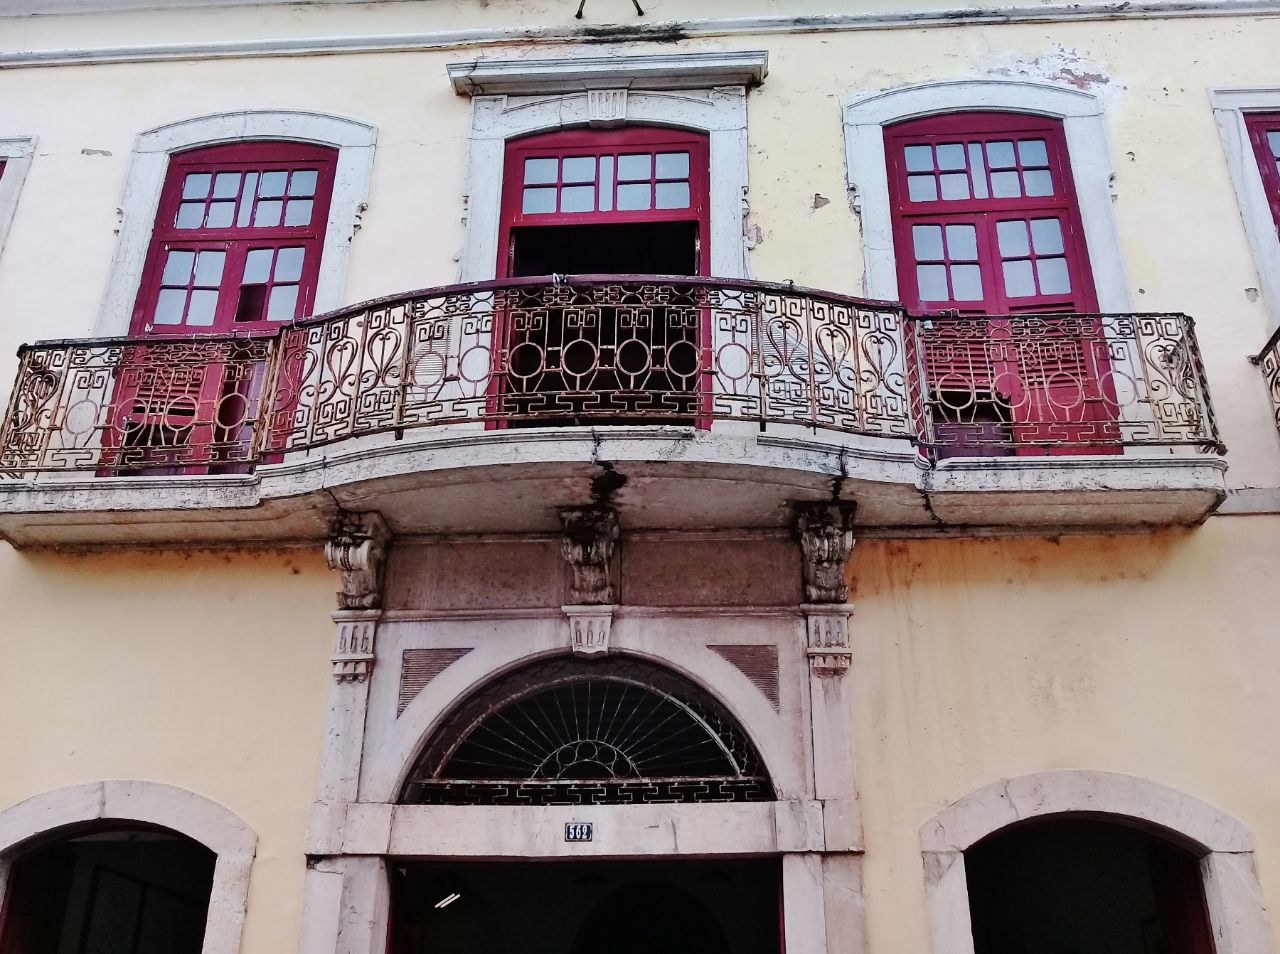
712, 98
177, 809
1236, 912
150, 163
1230, 107
867, 114
15, 153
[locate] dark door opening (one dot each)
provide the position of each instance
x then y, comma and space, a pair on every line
119, 891
1054, 887
580, 907
634, 248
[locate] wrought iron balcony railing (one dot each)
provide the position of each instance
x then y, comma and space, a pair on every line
1268, 359
610, 350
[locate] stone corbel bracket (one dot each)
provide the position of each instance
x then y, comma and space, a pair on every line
825, 534
590, 537
352, 657
357, 546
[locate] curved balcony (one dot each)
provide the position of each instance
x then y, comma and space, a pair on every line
686, 401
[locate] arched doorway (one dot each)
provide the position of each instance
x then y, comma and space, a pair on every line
108, 888
607, 736
1085, 884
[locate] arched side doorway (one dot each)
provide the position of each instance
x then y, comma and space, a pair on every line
1054, 840
160, 845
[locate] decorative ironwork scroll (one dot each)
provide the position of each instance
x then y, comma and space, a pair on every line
1011, 384
599, 351
572, 733
1269, 361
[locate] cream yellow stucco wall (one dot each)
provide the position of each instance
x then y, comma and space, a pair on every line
206, 670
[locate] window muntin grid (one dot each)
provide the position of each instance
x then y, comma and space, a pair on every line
621, 181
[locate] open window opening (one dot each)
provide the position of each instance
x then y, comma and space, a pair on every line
622, 202
1076, 885
581, 907
123, 889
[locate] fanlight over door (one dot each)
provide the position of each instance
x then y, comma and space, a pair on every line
602, 733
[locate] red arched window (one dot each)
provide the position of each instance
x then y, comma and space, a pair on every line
986, 222
237, 239
1264, 134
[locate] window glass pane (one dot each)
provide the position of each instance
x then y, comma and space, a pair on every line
634, 197
1038, 182
226, 185
922, 188
272, 184
966, 282
246, 199
979, 170
297, 212
1273, 140
1032, 152
196, 185
1018, 282
539, 171
1013, 238
955, 185
927, 240
283, 303
538, 200
951, 156
962, 243
632, 168
579, 169
673, 195
673, 165
289, 264
1004, 185
303, 182
1046, 235
577, 198
606, 183
267, 213
932, 280
190, 215
257, 267
169, 306
203, 304
919, 158
209, 268
1000, 155
177, 268
220, 215
1054, 277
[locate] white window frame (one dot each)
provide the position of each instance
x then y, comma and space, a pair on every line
150, 164
1225, 847
1230, 105
701, 92
177, 809
868, 113
16, 153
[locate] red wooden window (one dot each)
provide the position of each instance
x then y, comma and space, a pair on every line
637, 176
986, 222
985, 215
1264, 134
237, 239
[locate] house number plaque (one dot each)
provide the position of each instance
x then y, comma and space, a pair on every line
578, 831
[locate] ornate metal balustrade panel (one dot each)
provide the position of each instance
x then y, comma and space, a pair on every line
1268, 360
1082, 383
631, 349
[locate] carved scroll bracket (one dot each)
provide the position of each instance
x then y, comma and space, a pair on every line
825, 533
590, 537
357, 546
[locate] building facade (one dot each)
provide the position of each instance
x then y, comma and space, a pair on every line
792, 479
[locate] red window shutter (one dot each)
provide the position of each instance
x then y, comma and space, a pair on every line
986, 222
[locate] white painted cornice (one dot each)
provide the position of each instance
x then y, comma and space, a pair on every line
595, 34
574, 74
